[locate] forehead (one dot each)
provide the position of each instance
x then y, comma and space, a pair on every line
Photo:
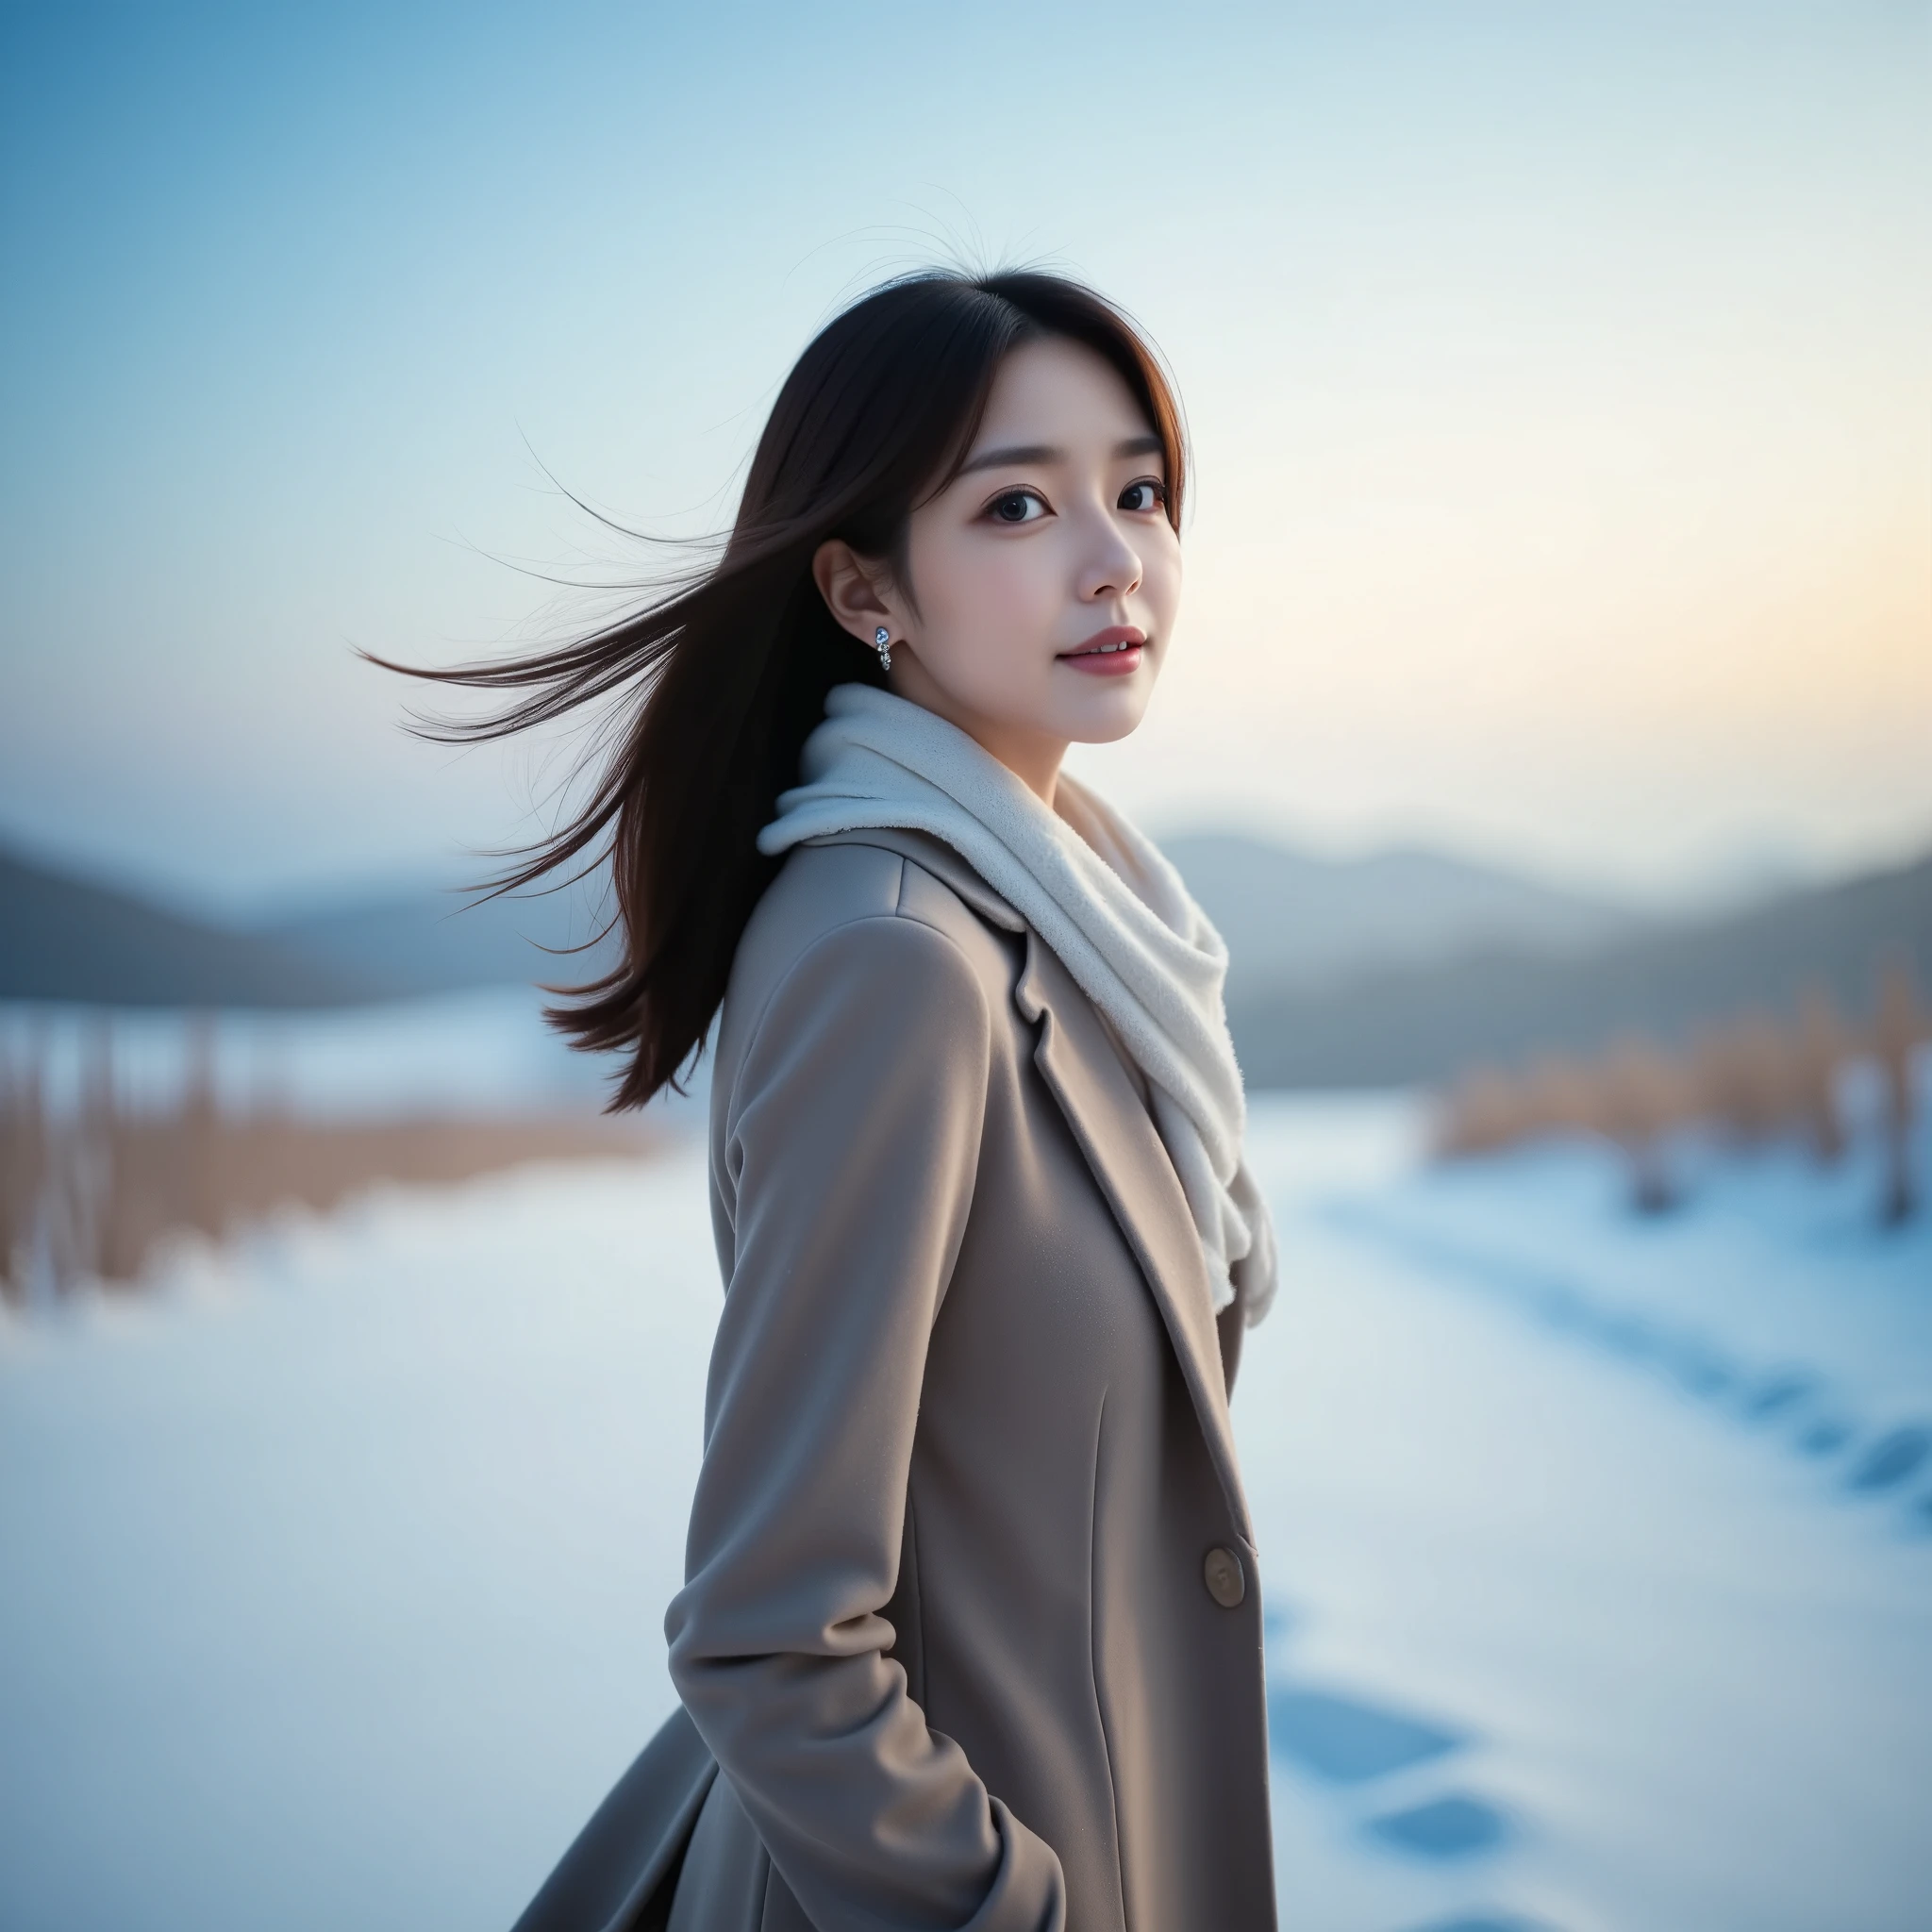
1062, 393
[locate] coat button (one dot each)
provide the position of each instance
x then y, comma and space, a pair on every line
1225, 1581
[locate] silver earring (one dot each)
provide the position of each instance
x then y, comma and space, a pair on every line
882, 642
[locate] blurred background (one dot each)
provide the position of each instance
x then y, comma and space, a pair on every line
1549, 731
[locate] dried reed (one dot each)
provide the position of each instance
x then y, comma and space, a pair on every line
88, 1193
1755, 1080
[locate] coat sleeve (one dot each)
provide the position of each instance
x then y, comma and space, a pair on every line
850, 1145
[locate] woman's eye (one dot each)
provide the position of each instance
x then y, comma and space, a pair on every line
1017, 506
1147, 493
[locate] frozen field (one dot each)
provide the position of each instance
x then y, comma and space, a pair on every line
1599, 1554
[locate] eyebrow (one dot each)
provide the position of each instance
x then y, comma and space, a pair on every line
1018, 454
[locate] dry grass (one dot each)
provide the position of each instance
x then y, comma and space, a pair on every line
88, 1195
1761, 1078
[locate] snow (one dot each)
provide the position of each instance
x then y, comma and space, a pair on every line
332, 1569
1691, 1662
335, 1571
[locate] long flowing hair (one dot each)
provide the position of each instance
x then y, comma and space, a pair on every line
707, 692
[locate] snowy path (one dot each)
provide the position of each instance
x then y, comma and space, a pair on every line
1691, 1673
331, 1580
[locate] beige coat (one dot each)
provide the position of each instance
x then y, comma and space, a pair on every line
973, 1623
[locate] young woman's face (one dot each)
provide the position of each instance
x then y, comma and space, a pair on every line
1041, 584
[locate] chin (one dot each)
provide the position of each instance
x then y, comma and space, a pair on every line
1105, 723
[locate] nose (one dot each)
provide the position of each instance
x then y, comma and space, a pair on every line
1113, 567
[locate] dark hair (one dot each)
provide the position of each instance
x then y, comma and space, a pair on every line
718, 680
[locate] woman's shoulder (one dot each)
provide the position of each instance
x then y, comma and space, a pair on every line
864, 949
871, 881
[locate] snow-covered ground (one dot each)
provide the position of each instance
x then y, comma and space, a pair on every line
332, 1571
1582, 1604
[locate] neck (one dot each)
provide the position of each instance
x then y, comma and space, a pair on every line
1033, 756
1034, 760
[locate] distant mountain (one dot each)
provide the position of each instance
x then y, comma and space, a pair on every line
62, 938
1286, 918
1290, 919
436, 941
1401, 968
1395, 1026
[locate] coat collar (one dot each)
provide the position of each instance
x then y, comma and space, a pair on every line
1085, 1074
936, 857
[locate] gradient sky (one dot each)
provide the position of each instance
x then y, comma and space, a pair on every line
1561, 380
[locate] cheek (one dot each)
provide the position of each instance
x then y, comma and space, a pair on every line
982, 594
1160, 581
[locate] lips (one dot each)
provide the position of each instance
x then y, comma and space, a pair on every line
1106, 643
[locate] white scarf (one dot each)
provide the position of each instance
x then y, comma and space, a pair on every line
1106, 902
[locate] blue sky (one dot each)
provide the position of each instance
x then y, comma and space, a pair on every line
1559, 375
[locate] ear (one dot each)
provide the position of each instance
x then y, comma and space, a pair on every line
855, 591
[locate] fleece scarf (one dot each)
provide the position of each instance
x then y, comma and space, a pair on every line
1103, 897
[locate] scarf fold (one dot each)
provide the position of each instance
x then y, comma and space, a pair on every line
1105, 900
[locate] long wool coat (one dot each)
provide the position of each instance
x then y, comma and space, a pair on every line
973, 1624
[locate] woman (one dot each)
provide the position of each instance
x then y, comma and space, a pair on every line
971, 1634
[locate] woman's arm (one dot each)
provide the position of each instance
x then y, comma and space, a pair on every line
852, 1139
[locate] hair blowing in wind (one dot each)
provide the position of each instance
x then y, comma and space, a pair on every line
710, 690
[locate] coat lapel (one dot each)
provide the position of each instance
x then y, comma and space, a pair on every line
1083, 1072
